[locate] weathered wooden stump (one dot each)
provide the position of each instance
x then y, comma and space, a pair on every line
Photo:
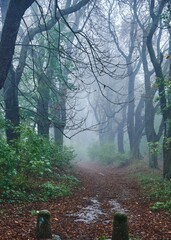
120, 227
43, 228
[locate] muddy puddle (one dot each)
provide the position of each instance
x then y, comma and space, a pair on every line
91, 213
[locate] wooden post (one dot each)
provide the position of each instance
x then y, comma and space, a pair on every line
43, 228
120, 227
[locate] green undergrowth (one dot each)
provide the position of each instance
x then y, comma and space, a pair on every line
35, 169
158, 189
107, 154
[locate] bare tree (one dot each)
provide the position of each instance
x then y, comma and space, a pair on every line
153, 137
164, 92
12, 20
128, 50
14, 15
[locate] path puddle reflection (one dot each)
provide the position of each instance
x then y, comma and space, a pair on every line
90, 213
116, 207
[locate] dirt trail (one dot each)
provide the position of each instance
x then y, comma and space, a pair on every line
87, 214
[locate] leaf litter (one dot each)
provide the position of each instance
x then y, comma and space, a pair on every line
88, 213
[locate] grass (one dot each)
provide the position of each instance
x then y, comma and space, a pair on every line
158, 189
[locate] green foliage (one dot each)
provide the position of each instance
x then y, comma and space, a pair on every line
167, 143
165, 17
107, 154
28, 170
161, 205
51, 190
2, 122
8, 159
134, 238
39, 156
159, 190
102, 238
71, 180
153, 147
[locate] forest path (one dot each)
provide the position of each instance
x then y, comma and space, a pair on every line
87, 214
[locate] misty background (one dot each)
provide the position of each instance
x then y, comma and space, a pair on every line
90, 74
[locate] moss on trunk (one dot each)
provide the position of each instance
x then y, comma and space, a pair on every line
43, 228
120, 227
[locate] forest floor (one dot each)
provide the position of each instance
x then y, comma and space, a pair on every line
87, 214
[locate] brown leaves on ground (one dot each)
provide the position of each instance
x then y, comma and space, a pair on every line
104, 186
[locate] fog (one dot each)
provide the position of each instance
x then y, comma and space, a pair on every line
85, 108
87, 74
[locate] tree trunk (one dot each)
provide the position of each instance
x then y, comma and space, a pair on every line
120, 131
108, 134
101, 136
10, 29
167, 159
131, 107
58, 135
10, 95
160, 79
139, 128
153, 153
59, 111
4, 6
11, 108
167, 137
43, 122
151, 135
121, 139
